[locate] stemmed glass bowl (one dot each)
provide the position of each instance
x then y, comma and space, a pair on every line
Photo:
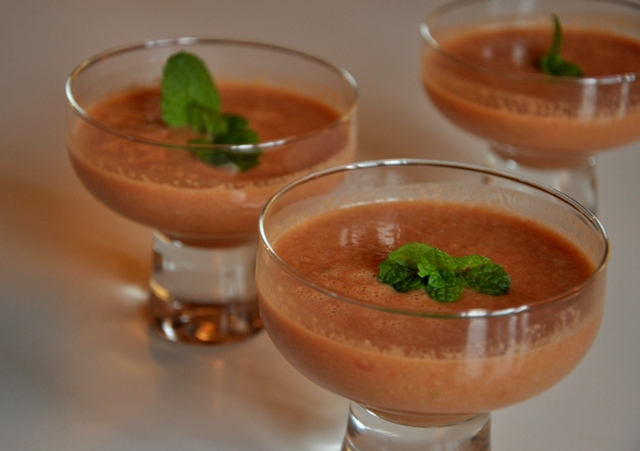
423, 376
204, 218
549, 128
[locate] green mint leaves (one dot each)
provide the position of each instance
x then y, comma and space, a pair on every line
190, 97
417, 266
551, 63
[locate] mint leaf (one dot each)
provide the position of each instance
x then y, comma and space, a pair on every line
236, 131
187, 86
205, 120
489, 278
551, 63
243, 160
445, 286
417, 266
400, 269
190, 97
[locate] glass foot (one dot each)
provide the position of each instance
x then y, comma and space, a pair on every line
203, 295
204, 323
368, 432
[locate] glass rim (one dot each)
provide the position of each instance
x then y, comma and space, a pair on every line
479, 313
341, 72
434, 44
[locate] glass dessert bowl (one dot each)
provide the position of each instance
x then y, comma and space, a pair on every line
422, 374
480, 66
204, 215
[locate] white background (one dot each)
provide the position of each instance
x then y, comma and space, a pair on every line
79, 370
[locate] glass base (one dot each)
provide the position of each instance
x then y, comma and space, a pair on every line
574, 177
203, 295
368, 432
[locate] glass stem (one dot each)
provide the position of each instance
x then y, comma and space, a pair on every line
577, 179
368, 432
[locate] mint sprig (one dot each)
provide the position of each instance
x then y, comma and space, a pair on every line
190, 98
417, 266
552, 63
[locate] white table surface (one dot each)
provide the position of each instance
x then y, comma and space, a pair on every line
79, 370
